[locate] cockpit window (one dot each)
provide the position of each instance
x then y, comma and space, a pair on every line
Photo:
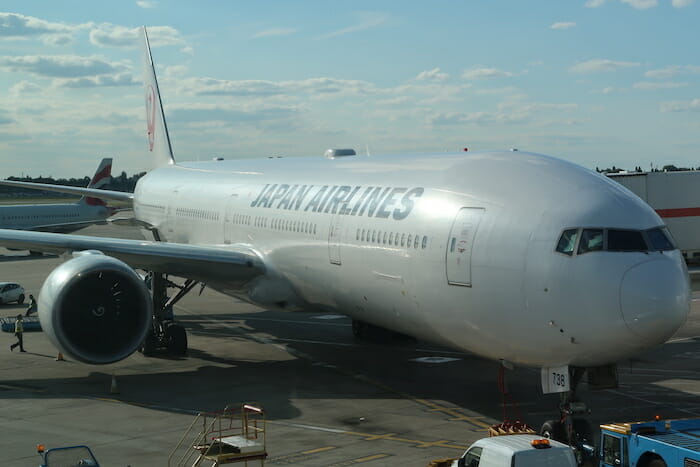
626, 240
591, 240
660, 239
567, 242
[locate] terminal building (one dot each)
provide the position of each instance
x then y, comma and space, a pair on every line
675, 196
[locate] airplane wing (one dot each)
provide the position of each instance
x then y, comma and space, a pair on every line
67, 226
202, 263
74, 190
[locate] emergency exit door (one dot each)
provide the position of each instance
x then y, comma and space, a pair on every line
460, 246
334, 239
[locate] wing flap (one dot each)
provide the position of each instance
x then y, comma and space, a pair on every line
238, 264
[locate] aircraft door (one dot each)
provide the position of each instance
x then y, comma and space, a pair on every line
334, 239
229, 217
460, 246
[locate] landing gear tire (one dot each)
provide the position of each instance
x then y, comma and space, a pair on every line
554, 429
176, 339
149, 346
20, 300
583, 430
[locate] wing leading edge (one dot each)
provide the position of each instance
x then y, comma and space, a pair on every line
202, 263
90, 192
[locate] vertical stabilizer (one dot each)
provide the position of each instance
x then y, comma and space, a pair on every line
103, 175
158, 139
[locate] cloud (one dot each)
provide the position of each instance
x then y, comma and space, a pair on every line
594, 3
681, 106
147, 4
651, 86
486, 73
599, 65
508, 112
16, 25
274, 32
111, 35
5, 118
563, 25
60, 66
681, 3
432, 75
209, 113
25, 87
663, 73
252, 88
641, 4
120, 79
367, 20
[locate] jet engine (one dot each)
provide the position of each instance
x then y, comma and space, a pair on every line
95, 308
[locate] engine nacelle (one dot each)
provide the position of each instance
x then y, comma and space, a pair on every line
95, 309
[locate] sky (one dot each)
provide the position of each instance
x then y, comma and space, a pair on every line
596, 82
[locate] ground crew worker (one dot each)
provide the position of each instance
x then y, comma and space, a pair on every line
19, 330
31, 308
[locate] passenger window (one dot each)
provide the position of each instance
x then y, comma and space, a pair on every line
403, 239
660, 239
591, 240
567, 242
384, 239
391, 238
374, 236
408, 241
416, 241
611, 450
425, 242
626, 240
471, 458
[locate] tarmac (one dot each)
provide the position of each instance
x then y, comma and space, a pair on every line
329, 399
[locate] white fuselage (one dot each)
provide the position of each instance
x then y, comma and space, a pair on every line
61, 218
387, 240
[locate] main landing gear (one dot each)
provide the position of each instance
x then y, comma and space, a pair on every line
165, 334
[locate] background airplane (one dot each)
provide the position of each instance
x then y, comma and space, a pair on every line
65, 217
517, 257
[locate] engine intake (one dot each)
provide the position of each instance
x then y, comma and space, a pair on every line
95, 309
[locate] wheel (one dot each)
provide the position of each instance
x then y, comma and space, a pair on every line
555, 430
150, 344
583, 430
1, 302
20, 299
176, 338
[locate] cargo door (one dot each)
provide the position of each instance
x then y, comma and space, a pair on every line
460, 246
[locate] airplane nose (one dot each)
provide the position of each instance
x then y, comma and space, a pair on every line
655, 298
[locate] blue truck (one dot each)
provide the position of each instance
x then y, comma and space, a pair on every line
658, 443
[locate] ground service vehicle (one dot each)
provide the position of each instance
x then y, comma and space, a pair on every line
11, 292
70, 456
513, 450
660, 443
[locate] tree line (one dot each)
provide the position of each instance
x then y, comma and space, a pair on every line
122, 182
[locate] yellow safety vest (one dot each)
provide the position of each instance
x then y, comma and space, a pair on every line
18, 326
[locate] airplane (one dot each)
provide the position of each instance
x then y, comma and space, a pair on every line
518, 257
66, 217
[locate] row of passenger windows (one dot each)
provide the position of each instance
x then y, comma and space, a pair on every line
391, 238
586, 240
197, 213
47, 216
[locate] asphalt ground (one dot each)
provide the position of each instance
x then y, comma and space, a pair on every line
330, 400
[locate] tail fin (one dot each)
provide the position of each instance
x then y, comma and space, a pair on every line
158, 139
102, 177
